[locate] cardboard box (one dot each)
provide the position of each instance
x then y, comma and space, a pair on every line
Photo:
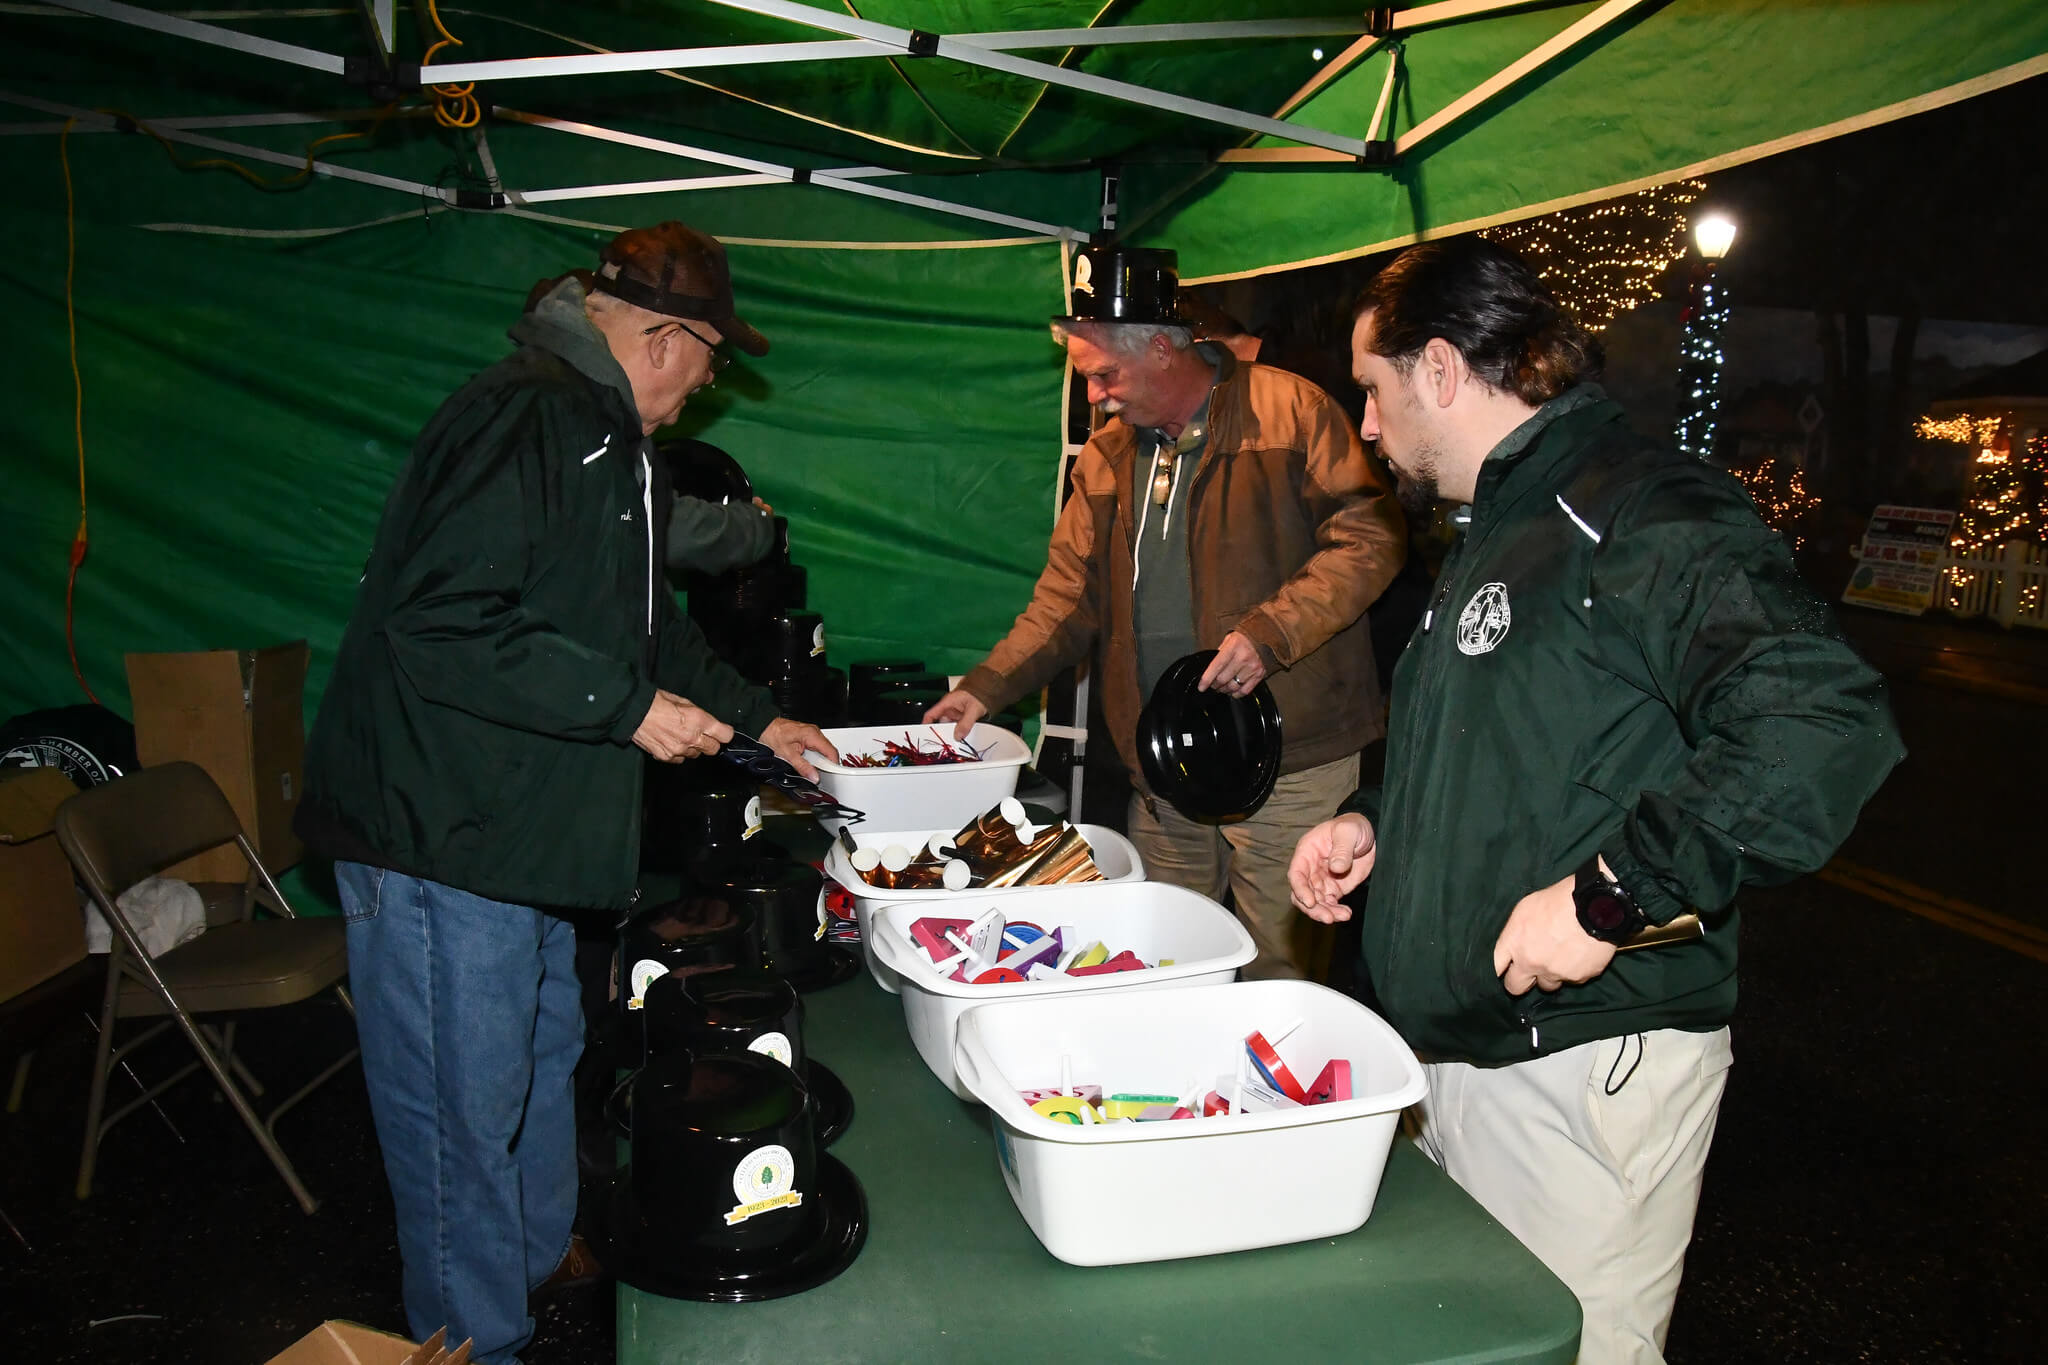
346, 1343
239, 714
41, 931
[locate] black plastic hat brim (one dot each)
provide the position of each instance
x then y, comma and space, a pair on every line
1187, 776
680, 1277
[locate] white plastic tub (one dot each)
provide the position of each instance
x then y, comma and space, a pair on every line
1152, 919
943, 794
1105, 1194
1115, 858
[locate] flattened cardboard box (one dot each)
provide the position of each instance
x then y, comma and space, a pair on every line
346, 1343
239, 714
41, 930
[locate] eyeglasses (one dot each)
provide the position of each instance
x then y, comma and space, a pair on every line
719, 358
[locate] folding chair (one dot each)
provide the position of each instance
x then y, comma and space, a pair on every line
124, 831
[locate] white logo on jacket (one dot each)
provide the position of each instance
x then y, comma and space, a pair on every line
1484, 622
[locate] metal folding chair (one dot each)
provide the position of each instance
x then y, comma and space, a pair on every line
129, 829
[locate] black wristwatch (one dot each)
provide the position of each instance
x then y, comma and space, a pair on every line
1606, 910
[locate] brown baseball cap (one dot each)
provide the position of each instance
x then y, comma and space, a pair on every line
674, 269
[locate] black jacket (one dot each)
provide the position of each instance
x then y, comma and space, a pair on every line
1619, 657
508, 636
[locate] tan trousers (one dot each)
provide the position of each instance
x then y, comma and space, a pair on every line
1592, 1157
1250, 856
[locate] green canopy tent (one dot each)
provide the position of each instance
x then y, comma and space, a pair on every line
901, 184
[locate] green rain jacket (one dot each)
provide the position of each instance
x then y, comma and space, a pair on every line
508, 636
1619, 657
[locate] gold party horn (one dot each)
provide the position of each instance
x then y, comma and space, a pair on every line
1057, 847
1070, 862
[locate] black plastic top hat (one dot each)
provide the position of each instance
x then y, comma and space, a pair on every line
744, 1011
727, 1198
787, 899
1126, 284
1214, 756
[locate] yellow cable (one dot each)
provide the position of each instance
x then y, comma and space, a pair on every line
297, 177
78, 540
455, 106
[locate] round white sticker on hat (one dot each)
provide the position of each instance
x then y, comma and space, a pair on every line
753, 818
1484, 622
774, 1045
817, 639
762, 1183
645, 973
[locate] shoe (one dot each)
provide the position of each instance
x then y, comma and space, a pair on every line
579, 1267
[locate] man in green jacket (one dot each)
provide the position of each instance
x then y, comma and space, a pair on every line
1622, 707
476, 764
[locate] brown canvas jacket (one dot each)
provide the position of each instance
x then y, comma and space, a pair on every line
1292, 534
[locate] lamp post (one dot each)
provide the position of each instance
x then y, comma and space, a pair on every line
1699, 344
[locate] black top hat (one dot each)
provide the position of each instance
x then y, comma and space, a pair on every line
727, 1198
1126, 284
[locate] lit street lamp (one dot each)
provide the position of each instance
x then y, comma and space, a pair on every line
1699, 343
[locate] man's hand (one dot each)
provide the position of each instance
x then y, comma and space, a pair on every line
676, 729
1544, 945
789, 738
1330, 860
1235, 670
959, 706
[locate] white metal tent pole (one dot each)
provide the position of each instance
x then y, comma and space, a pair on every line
208, 33
755, 54
848, 180
1514, 71
93, 118
968, 53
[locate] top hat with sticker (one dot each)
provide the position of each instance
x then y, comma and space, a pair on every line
698, 933
727, 1198
740, 1011
699, 814
1126, 284
787, 899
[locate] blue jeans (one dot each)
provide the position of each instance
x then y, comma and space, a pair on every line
471, 1024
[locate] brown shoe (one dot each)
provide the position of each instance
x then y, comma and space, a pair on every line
579, 1267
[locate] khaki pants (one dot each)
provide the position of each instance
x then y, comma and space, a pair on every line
1250, 856
1592, 1157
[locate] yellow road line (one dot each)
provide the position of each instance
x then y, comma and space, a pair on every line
2026, 939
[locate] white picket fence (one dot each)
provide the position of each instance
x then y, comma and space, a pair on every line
2010, 587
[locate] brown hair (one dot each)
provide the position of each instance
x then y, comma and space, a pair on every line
1486, 301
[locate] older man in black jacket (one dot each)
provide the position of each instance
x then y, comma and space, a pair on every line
477, 759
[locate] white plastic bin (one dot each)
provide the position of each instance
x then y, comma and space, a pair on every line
1152, 919
1115, 858
1105, 1194
942, 794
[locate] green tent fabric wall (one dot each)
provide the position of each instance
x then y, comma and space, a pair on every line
248, 401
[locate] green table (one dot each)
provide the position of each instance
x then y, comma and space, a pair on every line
951, 1273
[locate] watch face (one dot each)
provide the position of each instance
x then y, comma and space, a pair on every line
1604, 912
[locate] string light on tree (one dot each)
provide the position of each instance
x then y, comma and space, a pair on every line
2007, 495
1702, 324
1605, 259
1781, 496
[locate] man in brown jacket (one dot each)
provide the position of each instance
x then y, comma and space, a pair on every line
1229, 507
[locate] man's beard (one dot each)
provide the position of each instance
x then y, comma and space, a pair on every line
1418, 496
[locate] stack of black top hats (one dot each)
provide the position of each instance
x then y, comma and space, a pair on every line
891, 691
786, 898
754, 617
736, 1010
729, 1197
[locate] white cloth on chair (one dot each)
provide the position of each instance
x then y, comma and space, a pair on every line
163, 911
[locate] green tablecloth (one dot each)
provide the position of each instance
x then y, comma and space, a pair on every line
951, 1273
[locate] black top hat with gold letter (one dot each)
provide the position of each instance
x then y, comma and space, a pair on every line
1126, 284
